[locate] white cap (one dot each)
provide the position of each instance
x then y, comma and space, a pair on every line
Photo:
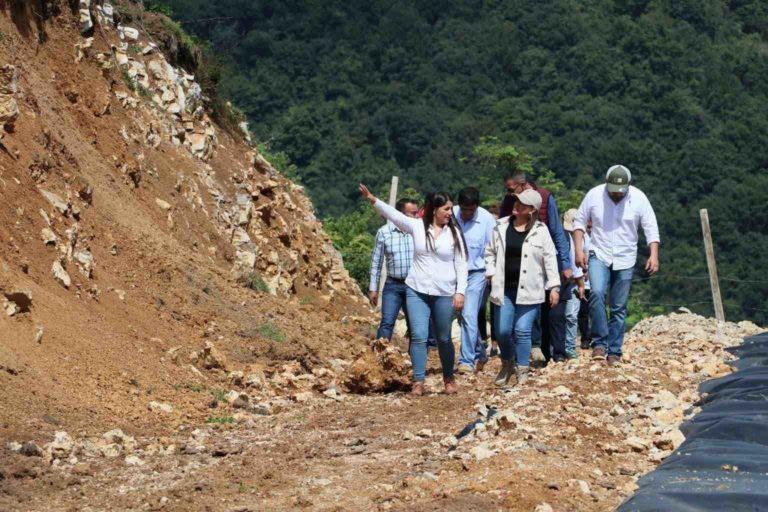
530, 197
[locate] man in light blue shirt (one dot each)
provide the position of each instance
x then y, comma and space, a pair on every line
397, 247
476, 224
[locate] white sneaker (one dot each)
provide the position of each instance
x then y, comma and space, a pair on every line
464, 369
537, 356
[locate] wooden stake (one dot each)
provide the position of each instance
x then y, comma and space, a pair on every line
712, 266
383, 278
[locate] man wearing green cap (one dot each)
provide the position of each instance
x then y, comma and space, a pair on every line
616, 210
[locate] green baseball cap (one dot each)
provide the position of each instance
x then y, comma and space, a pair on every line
617, 179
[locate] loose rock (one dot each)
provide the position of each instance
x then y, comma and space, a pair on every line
9, 109
670, 440
61, 446
237, 400
60, 274
210, 358
160, 407
30, 449
637, 444
482, 452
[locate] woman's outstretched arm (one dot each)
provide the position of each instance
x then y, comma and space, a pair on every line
405, 223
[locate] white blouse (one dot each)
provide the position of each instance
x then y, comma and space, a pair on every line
442, 271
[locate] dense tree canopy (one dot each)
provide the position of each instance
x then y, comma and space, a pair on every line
676, 90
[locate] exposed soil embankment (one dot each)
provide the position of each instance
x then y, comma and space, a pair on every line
138, 231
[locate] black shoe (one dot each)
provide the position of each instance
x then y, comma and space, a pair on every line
494, 351
586, 344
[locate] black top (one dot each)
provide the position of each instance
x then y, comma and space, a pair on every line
513, 256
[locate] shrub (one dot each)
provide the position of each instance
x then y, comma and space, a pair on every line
270, 331
256, 283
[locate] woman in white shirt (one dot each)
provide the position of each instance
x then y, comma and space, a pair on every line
436, 282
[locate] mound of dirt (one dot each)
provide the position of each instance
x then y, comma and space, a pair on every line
140, 244
381, 369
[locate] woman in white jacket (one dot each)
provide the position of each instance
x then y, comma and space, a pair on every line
436, 281
521, 263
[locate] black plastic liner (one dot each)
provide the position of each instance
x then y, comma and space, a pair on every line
723, 463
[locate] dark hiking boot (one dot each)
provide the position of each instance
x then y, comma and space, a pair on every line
506, 372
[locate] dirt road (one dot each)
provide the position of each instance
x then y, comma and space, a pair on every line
576, 437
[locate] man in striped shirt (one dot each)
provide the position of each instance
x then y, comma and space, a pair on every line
397, 246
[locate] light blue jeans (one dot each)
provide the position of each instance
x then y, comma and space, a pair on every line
513, 326
472, 347
604, 282
572, 306
421, 307
392, 299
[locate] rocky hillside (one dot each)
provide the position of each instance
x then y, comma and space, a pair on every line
145, 253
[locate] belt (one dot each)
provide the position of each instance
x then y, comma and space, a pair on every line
395, 279
476, 270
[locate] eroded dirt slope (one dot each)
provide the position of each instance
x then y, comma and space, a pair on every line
134, 224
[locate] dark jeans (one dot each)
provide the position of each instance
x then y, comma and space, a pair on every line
586, 336
392, 300
482, 325
482, 321
551, 326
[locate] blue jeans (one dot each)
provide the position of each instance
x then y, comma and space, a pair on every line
421, 308
472, 346
513, 325
572, 306
392, 299
608, 334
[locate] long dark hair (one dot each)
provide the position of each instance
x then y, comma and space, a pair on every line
434, 201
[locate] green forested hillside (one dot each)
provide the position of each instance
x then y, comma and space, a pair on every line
676, 90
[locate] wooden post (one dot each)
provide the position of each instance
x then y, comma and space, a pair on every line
383, 278
712, 266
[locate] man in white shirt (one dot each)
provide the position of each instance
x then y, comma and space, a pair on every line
616, 210
477, 225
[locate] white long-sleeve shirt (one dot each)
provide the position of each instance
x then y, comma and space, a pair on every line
442, 271
615, 225
577, 272
586, 244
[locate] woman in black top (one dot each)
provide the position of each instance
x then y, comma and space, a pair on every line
521, 263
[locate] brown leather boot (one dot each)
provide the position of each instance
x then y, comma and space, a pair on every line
417, 389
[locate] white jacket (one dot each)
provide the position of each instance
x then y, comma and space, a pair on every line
538, 264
